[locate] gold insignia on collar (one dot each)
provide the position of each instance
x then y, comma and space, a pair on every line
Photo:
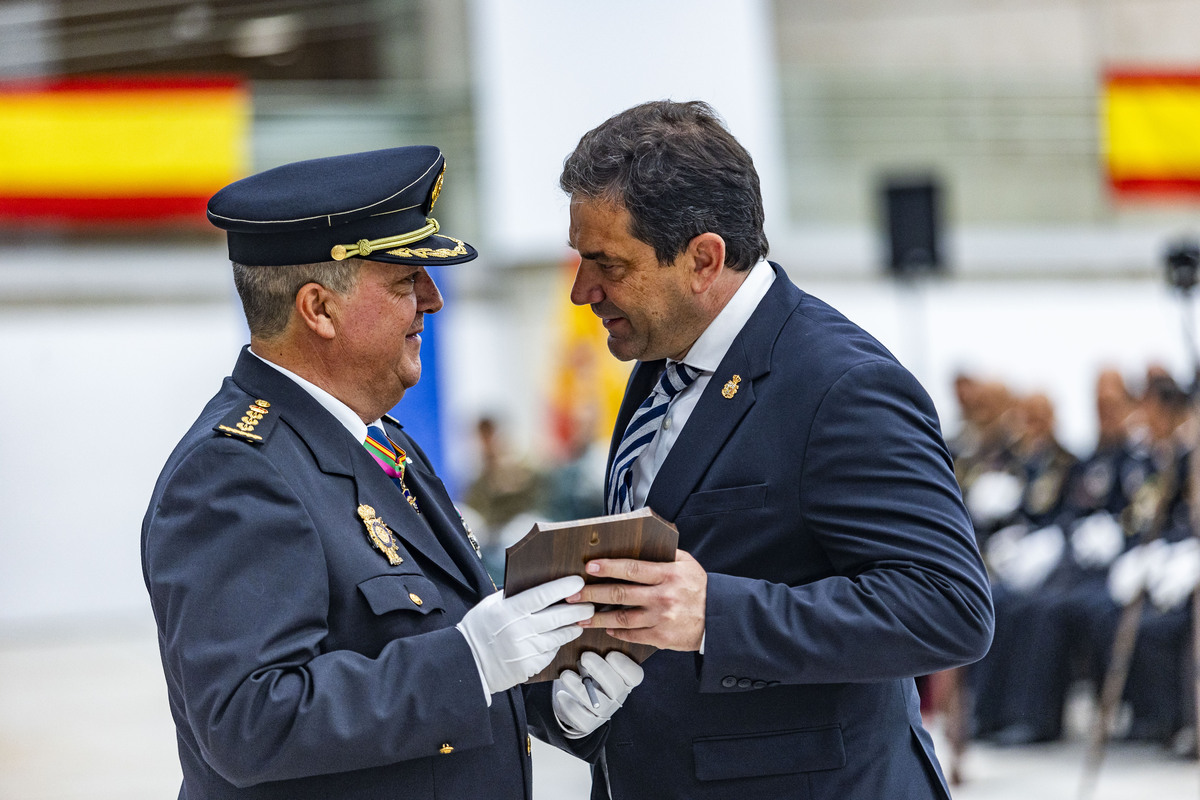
731, 387
249, 421
381, 535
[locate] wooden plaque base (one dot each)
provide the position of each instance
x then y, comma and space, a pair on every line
556, 549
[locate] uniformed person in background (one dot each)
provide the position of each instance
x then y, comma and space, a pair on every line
1020, 556
1165, 564
1045, 463
1126, 517
1021, 686
986, 466
967, 390
326, 626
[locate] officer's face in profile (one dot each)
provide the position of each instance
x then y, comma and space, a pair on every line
379, 325
648, 308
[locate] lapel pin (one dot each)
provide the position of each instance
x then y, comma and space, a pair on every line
731, 387
381, 535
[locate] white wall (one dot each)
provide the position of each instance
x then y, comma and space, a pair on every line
94, 399
548, 71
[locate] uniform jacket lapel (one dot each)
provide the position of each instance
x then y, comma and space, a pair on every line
377, 490
336, 453
716, 416
439, 511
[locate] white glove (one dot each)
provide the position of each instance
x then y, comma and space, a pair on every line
1036, 555
615, 675
513, 638
993, 496
1097, 540
1130, 571
1176, 576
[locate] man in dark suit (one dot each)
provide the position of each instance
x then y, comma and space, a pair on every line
326, 626
825, 554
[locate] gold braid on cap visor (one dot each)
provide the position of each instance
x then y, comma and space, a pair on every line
364, 247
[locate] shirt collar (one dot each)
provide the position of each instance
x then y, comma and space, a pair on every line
342, 412
706, 354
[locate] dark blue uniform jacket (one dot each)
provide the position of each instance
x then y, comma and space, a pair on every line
299, 662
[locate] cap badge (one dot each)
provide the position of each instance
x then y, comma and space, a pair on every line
381, 535
731, 387
437, 187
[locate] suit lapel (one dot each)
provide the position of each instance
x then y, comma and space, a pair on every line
709, 426
720, 411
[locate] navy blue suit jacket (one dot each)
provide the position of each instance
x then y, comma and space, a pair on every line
821, 500
299, 662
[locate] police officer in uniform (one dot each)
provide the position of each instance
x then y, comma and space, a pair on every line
1020, 557
1165, 563
325, 623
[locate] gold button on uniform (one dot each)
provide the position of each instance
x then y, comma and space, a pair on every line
446, 749
412, 596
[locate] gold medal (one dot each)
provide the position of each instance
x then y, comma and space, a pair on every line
381, 535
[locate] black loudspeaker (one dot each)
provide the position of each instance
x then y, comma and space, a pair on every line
912, 218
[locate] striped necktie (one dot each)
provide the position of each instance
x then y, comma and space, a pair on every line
391, 458
641, 431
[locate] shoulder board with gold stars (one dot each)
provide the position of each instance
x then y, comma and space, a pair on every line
250, 423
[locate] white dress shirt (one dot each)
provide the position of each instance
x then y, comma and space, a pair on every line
705, 355
343, 412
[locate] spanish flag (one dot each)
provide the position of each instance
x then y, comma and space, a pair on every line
119, 150
1152, 133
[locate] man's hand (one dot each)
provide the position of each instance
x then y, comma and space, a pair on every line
662, 603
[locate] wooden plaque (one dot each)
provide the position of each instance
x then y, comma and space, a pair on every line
557, 549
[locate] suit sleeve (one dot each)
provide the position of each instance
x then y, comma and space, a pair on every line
908, 594
240, 589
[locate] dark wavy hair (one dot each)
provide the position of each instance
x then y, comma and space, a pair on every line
679, 172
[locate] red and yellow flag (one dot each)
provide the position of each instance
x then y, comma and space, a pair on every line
1152, 132
587, 381
101, 150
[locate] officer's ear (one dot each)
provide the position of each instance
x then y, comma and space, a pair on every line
312, 307
706, 253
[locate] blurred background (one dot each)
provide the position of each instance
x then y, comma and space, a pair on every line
994, 188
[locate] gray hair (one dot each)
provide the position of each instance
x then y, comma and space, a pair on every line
268, 293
